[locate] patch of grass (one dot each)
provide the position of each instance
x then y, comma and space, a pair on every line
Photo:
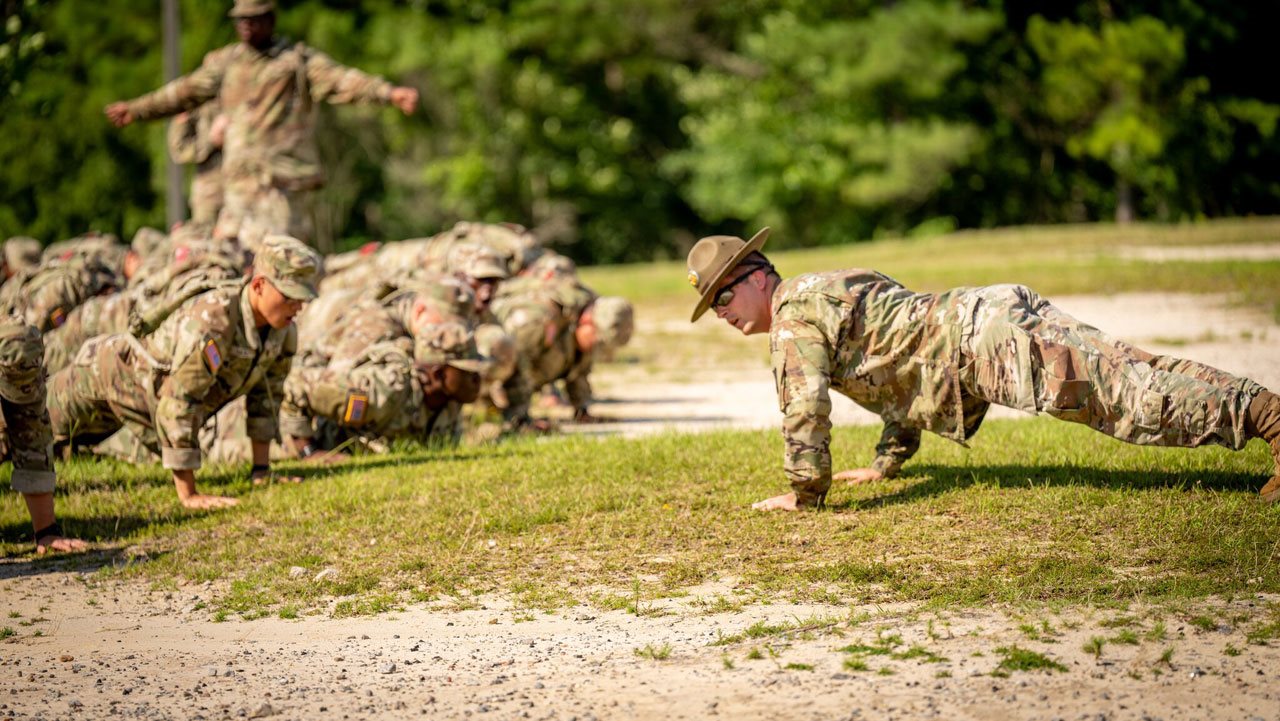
1157, 632
942, 674
728, 662
798, 667
921, 653
885, 671
288, 612
1094, 646
14, 614
1204, 623
1015, 658
1166, 657
855, 664
657, 653
1119, 622
754, 654
1231, 650
7, 632
1264, 633
1127, 637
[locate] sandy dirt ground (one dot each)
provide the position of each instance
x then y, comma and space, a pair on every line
85, 650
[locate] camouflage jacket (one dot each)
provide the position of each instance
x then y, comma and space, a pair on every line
46, 295
376, 395
892, 351
189, 140
25, 436
350, 331
268, 98
543, 331
206, 354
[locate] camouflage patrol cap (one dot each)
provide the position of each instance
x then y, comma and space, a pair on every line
613, 318
21, 252
448, 343
251, 8
476, 261
21, 354
148, 241
292, 267
712, 258
499, 348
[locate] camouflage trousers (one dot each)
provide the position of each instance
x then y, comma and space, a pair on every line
253, 210
97, 316
207, 193
106, 387
1022, 352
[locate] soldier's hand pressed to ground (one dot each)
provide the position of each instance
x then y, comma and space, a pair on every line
48, 533
60, 544
404, 98
582, 416
118, 113
785, 502
859, 475
185, 482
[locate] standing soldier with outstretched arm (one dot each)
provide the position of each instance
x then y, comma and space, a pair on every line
267, 87
195, 138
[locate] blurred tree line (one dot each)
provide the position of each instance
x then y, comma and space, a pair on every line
624, 129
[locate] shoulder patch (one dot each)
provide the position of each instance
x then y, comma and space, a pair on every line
58, 317
357, 404
212, 356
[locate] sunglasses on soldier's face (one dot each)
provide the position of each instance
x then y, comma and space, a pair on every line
724, 296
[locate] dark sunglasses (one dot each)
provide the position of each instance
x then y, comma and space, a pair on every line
724, 296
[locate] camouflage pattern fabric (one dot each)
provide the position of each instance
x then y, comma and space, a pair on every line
25, 437
543, 330
268, 97
46, 295
206, 354
99, 315
402, 314
936, 362
21, 253
189, 143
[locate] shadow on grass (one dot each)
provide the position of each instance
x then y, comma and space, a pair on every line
937, 479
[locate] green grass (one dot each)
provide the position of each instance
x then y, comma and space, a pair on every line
657, 653
1014, 658
1035, 511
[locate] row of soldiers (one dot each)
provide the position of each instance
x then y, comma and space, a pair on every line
180, 347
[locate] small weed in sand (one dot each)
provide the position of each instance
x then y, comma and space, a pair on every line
755, 655
1157, 632
7, 632
798, 667
1094, 646
855, 664
657, 653
1204, 623
14, 614
1015, 658
728, 662
1127, 637
1231, 650
1166, 658
885, 671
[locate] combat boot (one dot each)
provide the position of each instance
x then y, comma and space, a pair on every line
1263, 421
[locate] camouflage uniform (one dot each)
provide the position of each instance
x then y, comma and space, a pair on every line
377, 393
20, 253
207, 353
937, 361
542, 323
190, 144
270, 161
25, 438
44, 296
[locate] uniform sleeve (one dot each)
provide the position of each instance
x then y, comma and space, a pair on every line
296, 404
180, 409
182, 140
578, 387
182, 93
527, 326
263, 400
339, 84
801, 356
30, 445
50, 304
898, 443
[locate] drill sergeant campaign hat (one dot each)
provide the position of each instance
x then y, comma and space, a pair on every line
21, 356
251, 8
449, 343
292, 267
712, 258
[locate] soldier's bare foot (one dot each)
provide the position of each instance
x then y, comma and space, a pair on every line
785, 502
60, 544
200, 501
859, 475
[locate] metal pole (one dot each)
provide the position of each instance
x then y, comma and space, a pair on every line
175, 205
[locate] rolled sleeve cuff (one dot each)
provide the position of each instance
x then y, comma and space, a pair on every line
262, 430
384, 92
26, 480
296, 426
180, 459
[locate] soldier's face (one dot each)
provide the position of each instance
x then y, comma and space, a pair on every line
748, 307
585, 335
275, 307
257, 30
483, 288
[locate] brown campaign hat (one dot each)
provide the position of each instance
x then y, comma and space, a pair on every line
251, 8
712, 258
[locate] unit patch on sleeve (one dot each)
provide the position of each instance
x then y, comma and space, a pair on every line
212, 357
58, 317
357, 404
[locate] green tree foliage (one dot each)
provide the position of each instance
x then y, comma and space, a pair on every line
625, 129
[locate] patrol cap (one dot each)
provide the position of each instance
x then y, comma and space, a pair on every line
292, 267
477, 261
712, 258
21, 355
613, 318
448, 343
21, 252
251, 8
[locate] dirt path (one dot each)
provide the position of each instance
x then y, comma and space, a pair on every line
117, 651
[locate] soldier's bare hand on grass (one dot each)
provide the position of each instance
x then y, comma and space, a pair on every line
859, 475
200, 501
60, 545
785, 502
